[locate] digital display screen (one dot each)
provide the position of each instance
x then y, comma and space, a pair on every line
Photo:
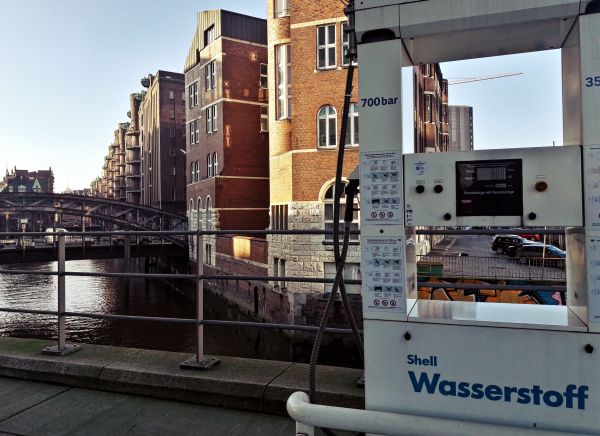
489, 188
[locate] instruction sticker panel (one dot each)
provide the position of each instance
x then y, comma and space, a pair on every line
593, 261
591, 164
381, 187
383, 274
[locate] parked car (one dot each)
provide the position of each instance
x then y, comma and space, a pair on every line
530, 236
512, 250
501, 243
538, 254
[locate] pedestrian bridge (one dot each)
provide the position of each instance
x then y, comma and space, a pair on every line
109, 213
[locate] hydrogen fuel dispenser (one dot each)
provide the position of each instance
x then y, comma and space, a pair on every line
526, 365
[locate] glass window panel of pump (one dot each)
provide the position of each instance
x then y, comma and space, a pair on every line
489, 188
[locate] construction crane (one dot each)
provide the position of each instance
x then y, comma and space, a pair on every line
460, 81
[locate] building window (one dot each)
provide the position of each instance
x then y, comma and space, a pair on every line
279, 217
197, 166
209, 167
192, 172
193, 94
172, 113
282, 8
213, 74
172, 135
264, 118
210, 75
171, 95
429, 108
327, 127
326, 49
173, 193
215, 164
209, 35
211, 119
284, 81
263, 76
427, 71
346, 45
208, 213
279, 271
351, 272
328, 200
194, 132
208, 254
352, 130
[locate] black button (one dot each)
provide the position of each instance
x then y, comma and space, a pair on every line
532, 216
447, 216
420, 189
438, 188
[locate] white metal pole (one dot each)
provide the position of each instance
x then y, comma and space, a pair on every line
61, 292
386, 423
199, 298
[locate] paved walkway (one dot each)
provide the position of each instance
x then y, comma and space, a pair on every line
35, 408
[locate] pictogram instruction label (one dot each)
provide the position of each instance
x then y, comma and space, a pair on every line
591, 166
383, 274
593, 267
381, 187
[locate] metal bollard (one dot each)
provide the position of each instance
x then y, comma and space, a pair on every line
62, 348
199, 361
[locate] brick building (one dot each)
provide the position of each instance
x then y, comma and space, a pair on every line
26, 181
162, 141
133, 161
431, 131
430, 109
227, 135
307, 75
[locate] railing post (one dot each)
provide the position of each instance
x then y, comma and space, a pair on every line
62, 348
199, 361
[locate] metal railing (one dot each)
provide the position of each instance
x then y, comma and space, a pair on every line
492, 267
310, 416
199, 360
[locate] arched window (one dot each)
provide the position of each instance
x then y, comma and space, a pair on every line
328, 200
327, 127
209, 165
352, 130
191, 204
199, 215
215, 164
208, 213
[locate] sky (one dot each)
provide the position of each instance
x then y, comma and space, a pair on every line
67, 68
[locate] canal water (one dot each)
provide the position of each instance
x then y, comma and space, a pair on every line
147, 297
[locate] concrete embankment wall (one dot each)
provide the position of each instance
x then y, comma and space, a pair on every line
236, 383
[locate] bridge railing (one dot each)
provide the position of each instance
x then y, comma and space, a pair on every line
199, 360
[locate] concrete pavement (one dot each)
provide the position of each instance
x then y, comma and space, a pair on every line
244, 384
36, 408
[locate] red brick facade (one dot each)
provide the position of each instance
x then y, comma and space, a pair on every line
236, 188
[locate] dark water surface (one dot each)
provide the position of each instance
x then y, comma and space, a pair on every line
109, 295
146, 297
